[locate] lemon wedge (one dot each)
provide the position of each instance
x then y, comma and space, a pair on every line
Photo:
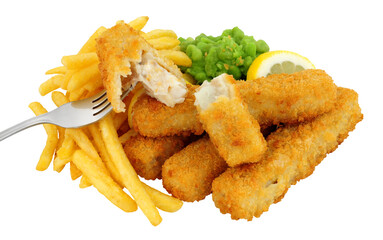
277, 62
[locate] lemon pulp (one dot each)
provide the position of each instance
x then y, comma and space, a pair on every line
276, 62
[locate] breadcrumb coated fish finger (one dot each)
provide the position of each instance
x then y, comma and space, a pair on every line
293, 152
147, 155
224, 116
188, 174
278, 98
127, 58
289, 98
151, 118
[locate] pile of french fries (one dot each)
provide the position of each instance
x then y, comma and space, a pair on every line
95, 152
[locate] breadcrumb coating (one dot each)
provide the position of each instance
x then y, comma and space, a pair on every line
188, 174
147, 155
233, 131
154, 119
293, 152
289, 98
119, 50
278, 98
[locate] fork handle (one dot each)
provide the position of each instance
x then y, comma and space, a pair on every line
43, 118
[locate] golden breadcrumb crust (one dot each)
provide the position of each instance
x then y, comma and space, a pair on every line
119, 49
154, 119
231, 128
147, 155
289, 98
293, 152
188, 174
278, 98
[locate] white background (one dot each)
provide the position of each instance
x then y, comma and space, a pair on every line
341, 200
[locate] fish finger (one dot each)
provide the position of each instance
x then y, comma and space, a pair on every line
293, 152
127, 58
147, 155
278, 98
224, 116
154, 119
188, 174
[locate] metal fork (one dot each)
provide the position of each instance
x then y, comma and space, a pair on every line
71, 115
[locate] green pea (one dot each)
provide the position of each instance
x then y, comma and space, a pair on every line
227, 32
250, 49
238, 52
247, 62
211, 69
204, 47
225, 54
232, 52
262, 46
193, 52
237, 34
207, 40
200, 77
212, 56
234, 70
210, 61
199, 37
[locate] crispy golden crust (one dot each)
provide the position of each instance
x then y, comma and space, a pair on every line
147, 155
188, 174
153, 119
232, 130
293, 152
279, 98
119, 49
289, 98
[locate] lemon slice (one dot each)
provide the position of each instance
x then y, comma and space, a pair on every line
277, 62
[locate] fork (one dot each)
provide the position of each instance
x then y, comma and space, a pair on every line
70, 115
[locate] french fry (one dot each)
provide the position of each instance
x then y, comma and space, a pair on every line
61, 132
67, 148
51, 84
157, 33
164, 43
125, 137
84, 182
77, 94
51, 144
162, 201
178, 57
56, 70
90, 45
80, 60
82, 140
59, 98
59, 164
177, 48
127, 172
83, 76
74, 171
139, 23
101, 180
100, 145
67, 77
95, 84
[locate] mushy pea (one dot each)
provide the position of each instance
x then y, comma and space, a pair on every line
232, 53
